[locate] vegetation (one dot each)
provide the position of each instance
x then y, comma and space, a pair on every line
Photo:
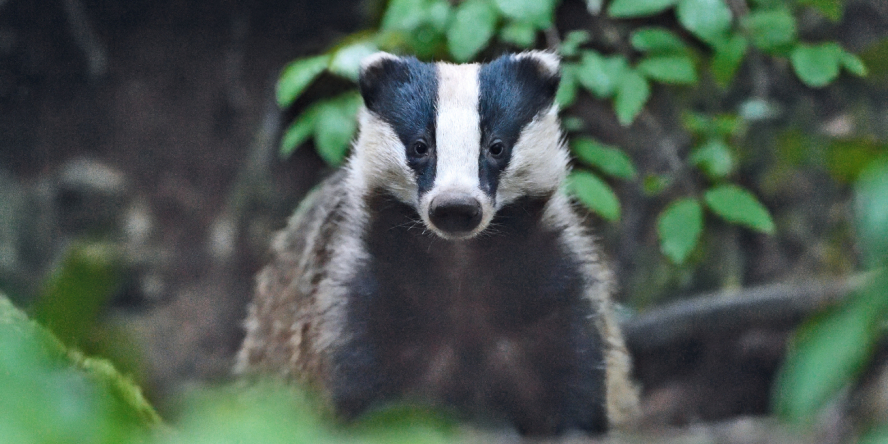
706, 60
53, 394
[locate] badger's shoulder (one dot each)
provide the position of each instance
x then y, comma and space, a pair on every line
280, 323
561, 214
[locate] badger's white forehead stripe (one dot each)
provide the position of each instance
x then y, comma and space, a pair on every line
458, 132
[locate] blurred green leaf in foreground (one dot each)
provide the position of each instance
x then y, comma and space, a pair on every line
831, 350
49, 394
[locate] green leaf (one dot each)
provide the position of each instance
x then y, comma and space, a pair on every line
404, 15
846, 159
759, 109
831, 9
679, 227
706, 126
632, 93
346, 60
426, 42
727, 124
50, 393
714, 158
638, 8
594, 193
728, 56
439, 14
520, 34
653, 184
260, 412
567, 88
473, 26
739, 206
540, 13
601, 75
669, 69
853, 64
415, 26
771, 29
406, 424
658, 40
299, 131
335, 126
877, 434
570, 46
709, 20
817, 65
78, 290
612, 161
875, 59
828, 352
297, 76
572, 124
871, 204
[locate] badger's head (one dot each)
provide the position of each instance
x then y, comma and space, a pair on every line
458, 142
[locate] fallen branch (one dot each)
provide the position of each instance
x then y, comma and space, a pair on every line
733, 310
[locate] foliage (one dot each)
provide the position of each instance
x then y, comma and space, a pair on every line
594, 193
49, 394
832, 349
679, 226
52, 394
269, 412
78, 289
718, 45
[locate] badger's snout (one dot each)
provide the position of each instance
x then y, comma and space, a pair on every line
455, 214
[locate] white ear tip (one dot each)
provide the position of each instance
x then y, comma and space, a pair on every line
550, 61
376, 58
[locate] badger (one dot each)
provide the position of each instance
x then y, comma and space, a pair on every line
445, 263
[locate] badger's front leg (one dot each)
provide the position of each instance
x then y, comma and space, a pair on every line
551, 379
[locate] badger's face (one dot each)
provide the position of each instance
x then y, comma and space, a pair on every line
457, 142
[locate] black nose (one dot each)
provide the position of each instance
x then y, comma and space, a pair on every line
455, 214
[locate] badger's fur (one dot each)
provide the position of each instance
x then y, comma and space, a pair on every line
444, 262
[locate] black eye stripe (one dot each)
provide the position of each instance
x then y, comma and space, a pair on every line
403, 92
512, 92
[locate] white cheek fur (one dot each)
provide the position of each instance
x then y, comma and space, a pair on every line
539, 160
380, 159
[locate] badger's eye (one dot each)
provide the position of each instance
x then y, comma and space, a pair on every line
497, 148
420, 148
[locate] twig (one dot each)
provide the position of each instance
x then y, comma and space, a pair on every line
669, 147
733, 310
251, 179
86, 39
553, 42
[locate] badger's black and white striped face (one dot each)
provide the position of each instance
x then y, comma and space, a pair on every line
457, 142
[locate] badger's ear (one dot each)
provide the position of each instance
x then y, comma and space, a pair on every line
542, 69
380, 72
547, 63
